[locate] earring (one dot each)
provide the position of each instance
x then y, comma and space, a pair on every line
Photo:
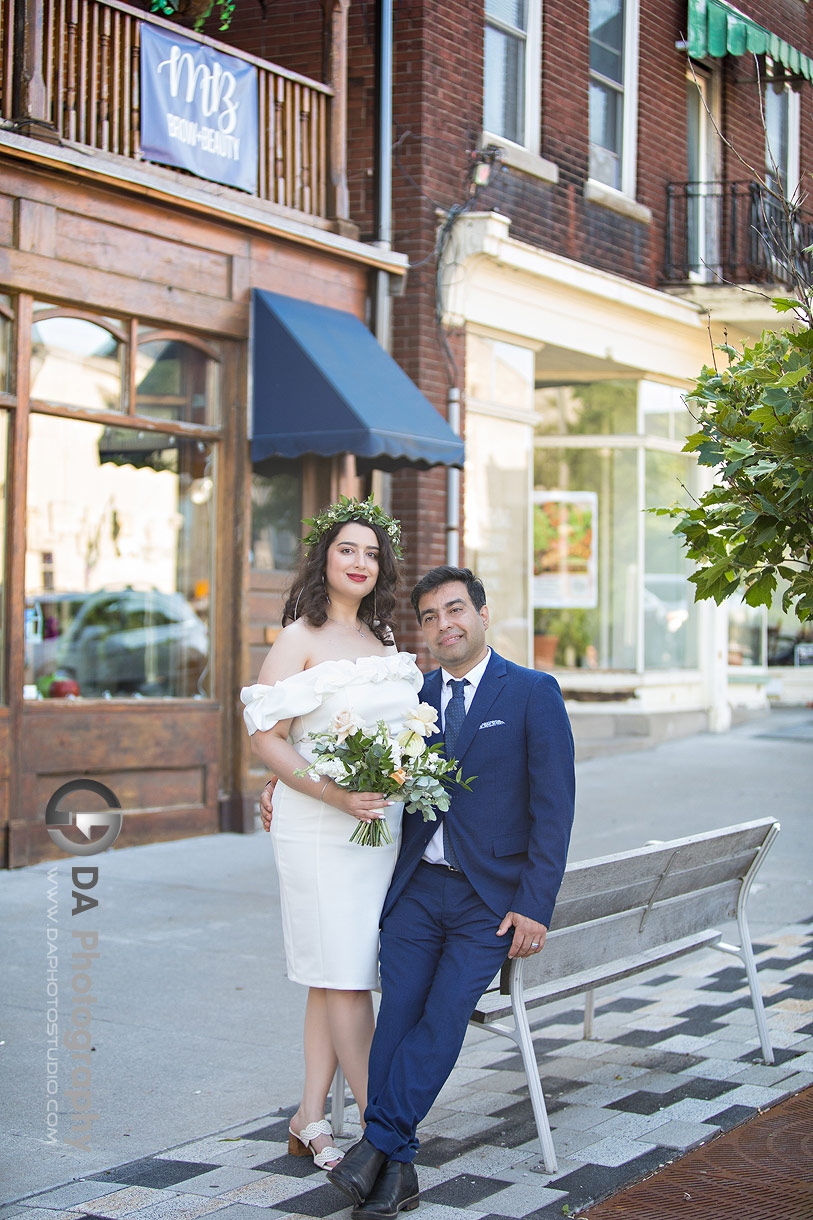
375, 611
296, 607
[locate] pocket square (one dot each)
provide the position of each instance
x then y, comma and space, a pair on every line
491, 724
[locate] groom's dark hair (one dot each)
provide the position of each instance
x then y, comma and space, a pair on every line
442, 576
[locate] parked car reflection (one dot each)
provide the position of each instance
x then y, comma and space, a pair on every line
135, 642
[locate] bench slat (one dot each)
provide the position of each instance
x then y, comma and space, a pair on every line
618, 890
494, 1005
687, 864
589, 946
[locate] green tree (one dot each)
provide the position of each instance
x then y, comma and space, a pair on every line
755, 430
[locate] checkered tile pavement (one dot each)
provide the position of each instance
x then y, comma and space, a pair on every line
675, 1061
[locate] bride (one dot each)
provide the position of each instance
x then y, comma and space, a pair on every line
335, 654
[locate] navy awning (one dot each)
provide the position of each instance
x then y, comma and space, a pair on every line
323, 384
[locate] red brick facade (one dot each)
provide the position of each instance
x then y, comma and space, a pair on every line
438, 118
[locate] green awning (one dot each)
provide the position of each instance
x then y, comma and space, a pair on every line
717, 28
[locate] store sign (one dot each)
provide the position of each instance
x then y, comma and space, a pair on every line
198, 109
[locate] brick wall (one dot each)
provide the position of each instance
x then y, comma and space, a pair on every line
437, 110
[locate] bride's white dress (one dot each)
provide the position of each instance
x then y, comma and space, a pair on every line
332, 890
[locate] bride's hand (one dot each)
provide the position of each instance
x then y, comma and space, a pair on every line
366, 806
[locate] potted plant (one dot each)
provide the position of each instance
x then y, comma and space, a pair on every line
562, 637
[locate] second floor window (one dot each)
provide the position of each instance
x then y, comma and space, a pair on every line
511, 65
781, 139
613, 92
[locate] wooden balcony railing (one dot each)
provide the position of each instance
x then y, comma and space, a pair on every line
85, 58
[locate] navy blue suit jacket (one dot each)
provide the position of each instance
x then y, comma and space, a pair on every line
511, 831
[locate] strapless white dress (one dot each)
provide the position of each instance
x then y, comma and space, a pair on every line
332, 890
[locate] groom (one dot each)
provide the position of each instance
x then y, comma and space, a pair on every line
467, 891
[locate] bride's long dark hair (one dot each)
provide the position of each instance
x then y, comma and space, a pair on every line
307, 596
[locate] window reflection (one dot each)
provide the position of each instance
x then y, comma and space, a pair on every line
120, 533
496, 539
75, 362
3, 494
598, 408
5, 341
586, 607
746, 635
670, 611
276, 516
175, 381
790, 641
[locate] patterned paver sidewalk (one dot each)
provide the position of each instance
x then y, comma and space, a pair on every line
676, 1061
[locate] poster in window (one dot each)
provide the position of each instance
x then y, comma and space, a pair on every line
198, 109
565, 561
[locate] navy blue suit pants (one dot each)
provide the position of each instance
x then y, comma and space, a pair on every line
439, 951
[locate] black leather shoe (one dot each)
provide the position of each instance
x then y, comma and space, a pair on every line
357, 1171
395, 1190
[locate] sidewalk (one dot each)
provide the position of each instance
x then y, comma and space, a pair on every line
195, 1029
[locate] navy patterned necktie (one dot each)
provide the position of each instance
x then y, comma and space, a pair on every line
453, 720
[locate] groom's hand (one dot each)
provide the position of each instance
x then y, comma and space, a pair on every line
529, 936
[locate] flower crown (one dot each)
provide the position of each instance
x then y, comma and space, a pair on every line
352, 510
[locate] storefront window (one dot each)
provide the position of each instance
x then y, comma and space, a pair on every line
120, 536
585, 582
496, 544
746, 636
610, 584
175, 381
790, 641
663, 412
5, 341
75, 361
600, 408
276, 516
670, 611
496, 541
3, 495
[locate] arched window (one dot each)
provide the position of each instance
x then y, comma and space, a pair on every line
77, 359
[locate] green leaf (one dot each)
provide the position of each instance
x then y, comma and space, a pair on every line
774, 396
784, 304
794, 376
760, 593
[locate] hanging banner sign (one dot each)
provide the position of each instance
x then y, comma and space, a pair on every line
198, 109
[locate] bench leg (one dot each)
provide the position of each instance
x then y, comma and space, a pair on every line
746, 953
589, 1013
337, 1103
526, 1048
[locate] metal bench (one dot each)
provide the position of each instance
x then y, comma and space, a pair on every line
615, 917
619, 915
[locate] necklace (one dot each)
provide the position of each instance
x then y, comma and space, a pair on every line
347, 627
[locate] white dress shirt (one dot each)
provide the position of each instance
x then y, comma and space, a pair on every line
434, 848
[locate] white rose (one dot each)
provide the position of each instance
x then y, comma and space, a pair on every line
344, 724
423, 720
411, 743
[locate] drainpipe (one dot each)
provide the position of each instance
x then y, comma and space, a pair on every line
383, 167
453, 487
380, 321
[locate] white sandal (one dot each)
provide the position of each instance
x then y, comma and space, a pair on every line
299, 1144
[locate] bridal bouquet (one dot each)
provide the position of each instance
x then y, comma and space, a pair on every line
373, 760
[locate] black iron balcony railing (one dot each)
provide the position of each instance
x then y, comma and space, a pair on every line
736, 233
